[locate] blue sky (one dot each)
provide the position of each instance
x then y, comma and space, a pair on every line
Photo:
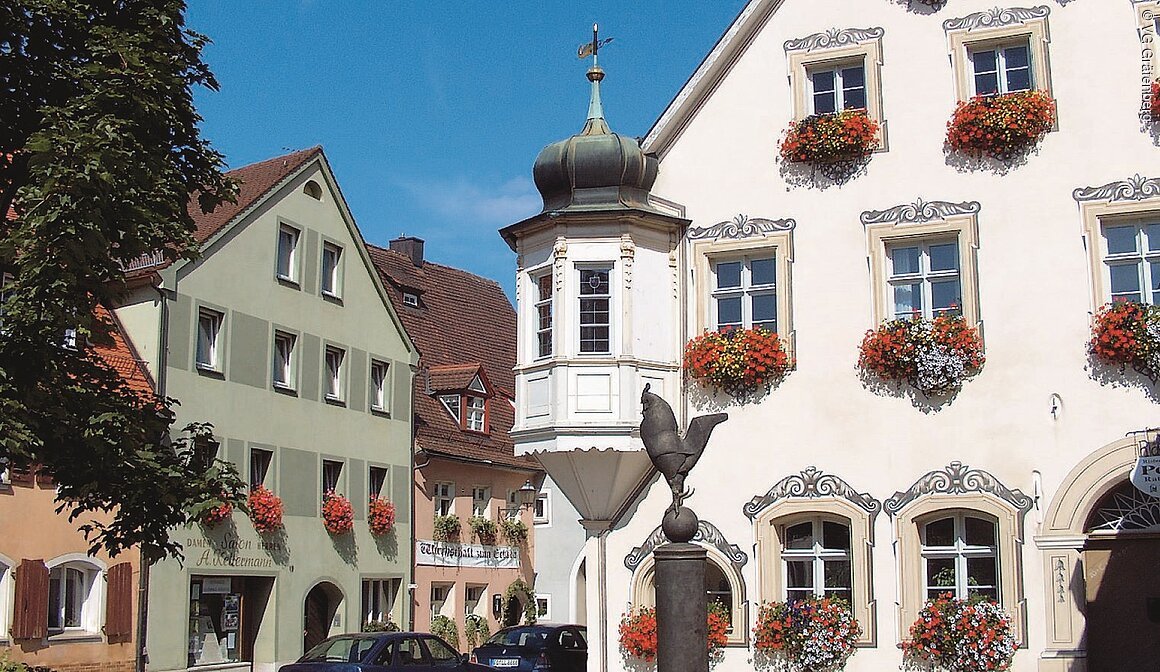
432, 113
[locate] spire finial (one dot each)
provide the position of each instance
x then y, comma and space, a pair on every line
595, 74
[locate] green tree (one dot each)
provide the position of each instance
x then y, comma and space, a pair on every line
100, 153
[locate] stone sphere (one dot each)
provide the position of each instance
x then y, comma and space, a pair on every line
680, 526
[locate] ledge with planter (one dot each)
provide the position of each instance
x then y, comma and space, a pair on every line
1001, 126
934, 356
739, 362
1127, 333
337, 513
265, 510
833, 144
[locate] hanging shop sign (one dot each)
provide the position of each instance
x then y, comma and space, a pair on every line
1146, 475
446, 554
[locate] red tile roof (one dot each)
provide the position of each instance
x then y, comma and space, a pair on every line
123, 357
464, 324
254, 182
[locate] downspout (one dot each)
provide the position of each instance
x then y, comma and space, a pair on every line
602, 550
142, 657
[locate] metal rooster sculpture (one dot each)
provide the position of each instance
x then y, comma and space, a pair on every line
672, 454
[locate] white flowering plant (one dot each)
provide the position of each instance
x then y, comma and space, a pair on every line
955, 635
933, 356
815, 634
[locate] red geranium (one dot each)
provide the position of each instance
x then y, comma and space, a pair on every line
1001, 126
217, 514
961, 635
380, 515
337, 513
934, 356
1127, 333
738, 361
811, 633
849, 135
638, 631
265, 509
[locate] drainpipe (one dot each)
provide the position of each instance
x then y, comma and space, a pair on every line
144, 559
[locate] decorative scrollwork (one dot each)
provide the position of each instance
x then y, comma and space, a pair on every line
997, 17
1135, 188
919, 211
707, 534
958, 479
742, 226
834, 38
812, 483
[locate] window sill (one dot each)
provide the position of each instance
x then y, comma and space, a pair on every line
286, 281
285, 389
74, 636
377, 410
331, 297
335, 401
210, 371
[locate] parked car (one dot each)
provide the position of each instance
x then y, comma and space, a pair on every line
383, 652
538, 648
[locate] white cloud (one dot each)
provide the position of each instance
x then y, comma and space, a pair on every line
482, 203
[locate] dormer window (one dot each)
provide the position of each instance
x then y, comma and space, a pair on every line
411, 299
468, 406
451, 403
476, 412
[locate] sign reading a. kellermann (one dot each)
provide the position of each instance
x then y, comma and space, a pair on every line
446, 554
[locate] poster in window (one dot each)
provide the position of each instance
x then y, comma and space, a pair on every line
215, 585
230, 611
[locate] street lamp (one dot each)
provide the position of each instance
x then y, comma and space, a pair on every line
525, 497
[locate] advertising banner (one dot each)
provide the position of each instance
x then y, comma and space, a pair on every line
447, 554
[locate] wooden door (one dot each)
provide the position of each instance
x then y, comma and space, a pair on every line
1123, 604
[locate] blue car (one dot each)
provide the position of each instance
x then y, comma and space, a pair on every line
383, 652
536, 648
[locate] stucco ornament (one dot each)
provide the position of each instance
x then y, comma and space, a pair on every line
707, 534
834, 38
811, 483
958, 479
919, 211
1136, 188
672, 454
741, 226
997, 17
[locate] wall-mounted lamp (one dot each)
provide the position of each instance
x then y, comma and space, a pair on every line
525, 497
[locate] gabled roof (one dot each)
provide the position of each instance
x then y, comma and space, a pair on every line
704, 80
464, 326
123, 357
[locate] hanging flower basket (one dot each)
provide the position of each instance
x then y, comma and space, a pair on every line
737, 361
638, 631
832, 143
446, 528
514, 531
380, 515
1127, 333
217, 515
337, 513
961, 636
1001, 126
933, 356
483, 529
265, 509
808, 635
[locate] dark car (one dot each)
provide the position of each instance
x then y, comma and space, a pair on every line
538, 648
383, 652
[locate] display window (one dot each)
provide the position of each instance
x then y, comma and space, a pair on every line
225, 614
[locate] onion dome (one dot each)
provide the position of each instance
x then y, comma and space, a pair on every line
595, 169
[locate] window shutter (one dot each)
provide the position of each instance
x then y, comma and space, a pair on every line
30, 616
119, 603
21, 477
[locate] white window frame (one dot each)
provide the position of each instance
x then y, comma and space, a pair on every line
444, 498
542, 515
411, 299
208, 361
330, 279
1142, 257
608, 268
286, 257
472, 603
474, 413
1001, 69
380, 376
335, 362
924, 276
746, 290
543, 313
285, 368
383, 491
378, 598
91, 605
452, 403
266, 475
980, 36
961, 552
839, 91
817, 555
336, 487
543, 606
481, 501
442, 598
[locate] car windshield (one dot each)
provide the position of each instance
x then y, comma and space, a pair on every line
340, 650
533, 638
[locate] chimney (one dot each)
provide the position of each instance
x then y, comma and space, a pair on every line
410, 246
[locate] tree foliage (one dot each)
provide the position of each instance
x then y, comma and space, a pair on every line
100, 153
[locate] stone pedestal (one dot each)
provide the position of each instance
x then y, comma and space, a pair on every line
682, 634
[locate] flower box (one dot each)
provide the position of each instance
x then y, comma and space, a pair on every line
809, 634
265, 509
483, 529
961, 636
380, 515
514, 531
737, 361
820, 139
933, 356
638, 631
1127, 333
1001, 126
446, 528
216, 515
337, 513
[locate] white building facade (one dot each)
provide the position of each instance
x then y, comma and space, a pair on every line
1016, 486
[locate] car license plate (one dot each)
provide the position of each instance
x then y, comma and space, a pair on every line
505, 662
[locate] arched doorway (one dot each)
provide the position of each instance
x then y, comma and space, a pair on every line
1122, 580
318, 611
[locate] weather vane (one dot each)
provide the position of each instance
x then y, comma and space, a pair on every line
592, 48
